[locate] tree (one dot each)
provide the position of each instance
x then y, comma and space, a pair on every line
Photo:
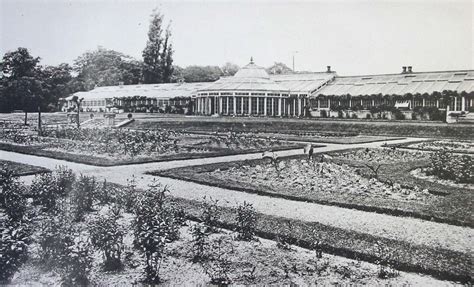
158, 52
23, 86
279, 68
104, 67
201, 73
229, 69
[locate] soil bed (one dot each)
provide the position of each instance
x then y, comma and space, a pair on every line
344, 180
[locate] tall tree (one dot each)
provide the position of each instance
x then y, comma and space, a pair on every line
201, 73
22, 82
229, 69
104, 67
158, 52
279, 68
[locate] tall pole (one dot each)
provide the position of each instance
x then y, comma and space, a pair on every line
294, 52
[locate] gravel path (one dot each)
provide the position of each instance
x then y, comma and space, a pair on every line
407, 229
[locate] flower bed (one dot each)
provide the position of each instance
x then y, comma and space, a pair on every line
318, 137
376, 180
456, 146
118, 146
20, 169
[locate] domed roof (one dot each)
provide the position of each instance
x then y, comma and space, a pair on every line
252, 71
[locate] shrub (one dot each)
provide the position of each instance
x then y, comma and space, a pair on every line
354, 116
83, 194
246, 221
64, 178
14, 240
127, 196
446, 165
45, 191
75, 264
107, 236
56, 233
155, 225
284, 239
211, 213
200, 242
385, 262
219, 266
398, 114
12, 197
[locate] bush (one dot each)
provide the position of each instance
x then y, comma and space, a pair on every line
12, 197
354, 116
82, 197
219, 266
446, 165
107, 236
211, 213
200, 242
246, 221
75, 264
398, 114
45, 191
155, 225
14, 240
64, 178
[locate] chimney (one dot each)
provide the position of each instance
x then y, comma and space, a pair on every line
404, 70
409, 69
329, 69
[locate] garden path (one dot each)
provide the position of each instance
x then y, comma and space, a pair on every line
406, 229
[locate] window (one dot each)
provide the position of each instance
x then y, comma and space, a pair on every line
231, 105
261, 105
254, 106
246, 106
239, 105
224, 104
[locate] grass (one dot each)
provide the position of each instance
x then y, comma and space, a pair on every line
20, 169
102, 161
452, 205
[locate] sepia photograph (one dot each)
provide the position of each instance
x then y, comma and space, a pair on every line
236, 142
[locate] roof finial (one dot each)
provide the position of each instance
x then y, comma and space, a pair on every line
251, 60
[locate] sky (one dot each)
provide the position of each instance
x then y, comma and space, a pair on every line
354, 37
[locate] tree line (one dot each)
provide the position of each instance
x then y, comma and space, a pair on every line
27, 85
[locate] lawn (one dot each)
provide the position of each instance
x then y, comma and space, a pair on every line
345, 179
456, 146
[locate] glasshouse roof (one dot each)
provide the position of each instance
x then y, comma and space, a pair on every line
400, 84
162, 91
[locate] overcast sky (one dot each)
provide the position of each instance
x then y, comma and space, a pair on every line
354, 37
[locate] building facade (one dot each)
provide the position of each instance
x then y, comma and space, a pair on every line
253, 92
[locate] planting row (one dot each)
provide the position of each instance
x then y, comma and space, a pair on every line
69, 230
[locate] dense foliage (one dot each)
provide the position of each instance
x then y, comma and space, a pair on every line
447, 165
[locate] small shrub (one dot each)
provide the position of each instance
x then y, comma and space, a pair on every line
14, 239
12, 195
354, 116
284, 239
211, 213
218, 267
83, 194
155, 226
45, 191
64, 178
246, 221
75, 264
107, 236
200, 243
385, 262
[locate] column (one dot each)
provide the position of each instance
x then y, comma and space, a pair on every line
227, 109
220, 106
455, 103
437, 103
242, 105
265, 106
258, 105
329, 104
300, 109
235, 105
463, 103
294, 106
423, 103
279, 106
319, 103
273, 107
250, 105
